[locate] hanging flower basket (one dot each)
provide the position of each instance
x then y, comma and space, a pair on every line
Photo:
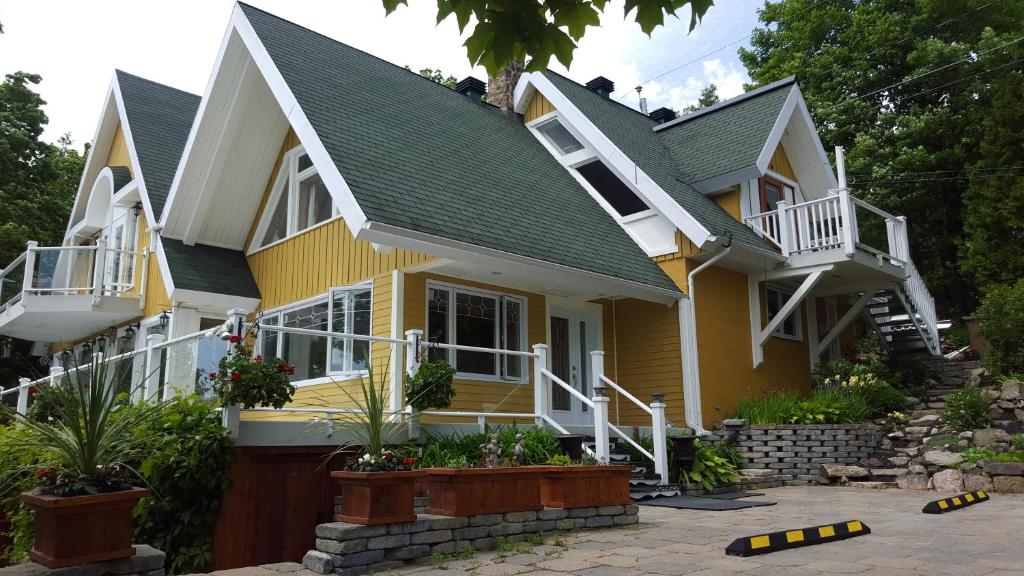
431, 385
250, 381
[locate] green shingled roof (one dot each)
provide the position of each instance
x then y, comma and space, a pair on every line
633, 133
726, 137
422, 157
160, 118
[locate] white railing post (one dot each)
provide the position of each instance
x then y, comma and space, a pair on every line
847, 211
412, 351
658, 434
231, 416
23, 393
785, 234
602, 442
154, 367
903, 241
30, 266
56, 373
236, 320
540, 363
98, 264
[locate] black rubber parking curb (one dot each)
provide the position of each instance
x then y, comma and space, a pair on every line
955, 502
775, 541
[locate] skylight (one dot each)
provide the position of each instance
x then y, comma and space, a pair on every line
559, 137
611, 188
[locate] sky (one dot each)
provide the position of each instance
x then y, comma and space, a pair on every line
76, 46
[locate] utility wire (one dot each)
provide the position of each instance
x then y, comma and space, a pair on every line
969, 58
715, 51
998, 169
939, 179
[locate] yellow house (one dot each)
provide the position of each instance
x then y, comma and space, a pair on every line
709, 257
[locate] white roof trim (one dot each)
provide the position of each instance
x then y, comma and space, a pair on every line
794, 105
329, 173
130, 145
610, 154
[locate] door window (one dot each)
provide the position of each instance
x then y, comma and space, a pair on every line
560, 363
774, 191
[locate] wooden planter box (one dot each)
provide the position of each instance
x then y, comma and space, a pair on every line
377, 497
82, 529
585, 486
473, 491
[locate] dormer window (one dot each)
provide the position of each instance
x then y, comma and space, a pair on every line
559, 136
298, 201
611, 188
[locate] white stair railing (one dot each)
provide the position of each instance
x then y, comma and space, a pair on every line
923, 304
658, 425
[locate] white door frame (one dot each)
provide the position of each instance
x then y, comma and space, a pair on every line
579, 360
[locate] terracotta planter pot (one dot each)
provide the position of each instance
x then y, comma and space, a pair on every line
473, 491
82, 529
377, 497
585, 486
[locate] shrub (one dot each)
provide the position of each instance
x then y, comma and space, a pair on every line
188, 455
18, 463
908, 373
966, 409
710, 467
1001, 322
539, 445
772, 408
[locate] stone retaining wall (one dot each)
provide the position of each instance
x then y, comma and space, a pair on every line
352, 549
797, 452
147, 561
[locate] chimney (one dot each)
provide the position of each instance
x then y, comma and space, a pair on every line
500, 88
602, 86
662, 115
471, 87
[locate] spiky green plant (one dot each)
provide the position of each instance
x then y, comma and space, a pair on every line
90, 435
371, 426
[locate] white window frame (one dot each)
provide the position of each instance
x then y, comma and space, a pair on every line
785, 294
588, 154
279, 312
499, 359
287, 180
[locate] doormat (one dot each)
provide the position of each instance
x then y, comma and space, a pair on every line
702, 503
732, 495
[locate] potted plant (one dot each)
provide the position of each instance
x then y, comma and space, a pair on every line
569, 484
84, 500
377, 486
249, 381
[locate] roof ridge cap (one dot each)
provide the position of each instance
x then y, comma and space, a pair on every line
118, 72
789, 80
609, 99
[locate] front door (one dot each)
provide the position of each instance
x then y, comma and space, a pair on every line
574, 333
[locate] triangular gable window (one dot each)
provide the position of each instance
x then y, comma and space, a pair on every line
298, 201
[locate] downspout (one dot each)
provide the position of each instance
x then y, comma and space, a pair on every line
691, 364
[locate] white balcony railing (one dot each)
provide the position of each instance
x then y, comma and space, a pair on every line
72, 271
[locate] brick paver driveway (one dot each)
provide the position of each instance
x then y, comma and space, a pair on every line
985, 539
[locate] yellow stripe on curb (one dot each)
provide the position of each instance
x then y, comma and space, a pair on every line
765, 543
955, 502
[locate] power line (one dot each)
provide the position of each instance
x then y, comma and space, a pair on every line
969, 58
1001, 168
715, 51
938, 179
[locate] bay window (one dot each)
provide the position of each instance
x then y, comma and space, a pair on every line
479, 318
346, 310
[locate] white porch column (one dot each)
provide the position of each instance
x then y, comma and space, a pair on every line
154, 367
786, 244
601, 438
812, 329
540, 362
180, 377
23, 391
98, 270
658, 434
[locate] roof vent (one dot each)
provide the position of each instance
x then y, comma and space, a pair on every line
662, 115
602, 86
473, 88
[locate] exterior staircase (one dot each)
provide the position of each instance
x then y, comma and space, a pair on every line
900, 324
644, 485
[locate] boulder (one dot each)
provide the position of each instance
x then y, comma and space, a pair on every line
913, 482
948, 481
843, 470
916, 430
942, 457
1005, 468
1006, 404
974, 482
988, 436
990, 393
966, 435
1008, 484
1011, 389
918, 469
1018, 414
927, 420
995, 412
911, 401
899, 460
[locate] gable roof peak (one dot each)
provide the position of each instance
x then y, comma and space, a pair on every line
788, 81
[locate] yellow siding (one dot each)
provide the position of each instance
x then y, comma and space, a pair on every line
475, 395
538, 107
156, 292
642, 354
311, 262
730, 201
675, 265
118, 154
780, 163
724, 342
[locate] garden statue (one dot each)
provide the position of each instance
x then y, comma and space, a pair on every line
491, 450
519, 452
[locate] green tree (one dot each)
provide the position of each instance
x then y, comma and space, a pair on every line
532, 31
708, 96
439, 77
908, 88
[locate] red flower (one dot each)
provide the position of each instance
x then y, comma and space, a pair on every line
258, 358
409, 461
235, 376
32, 391
41, 473
213, 375
291, 369
235, 339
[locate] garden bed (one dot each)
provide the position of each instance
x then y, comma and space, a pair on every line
474, 491
583, 486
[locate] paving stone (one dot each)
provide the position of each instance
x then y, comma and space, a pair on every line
146, 558
246, 571
283, 567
